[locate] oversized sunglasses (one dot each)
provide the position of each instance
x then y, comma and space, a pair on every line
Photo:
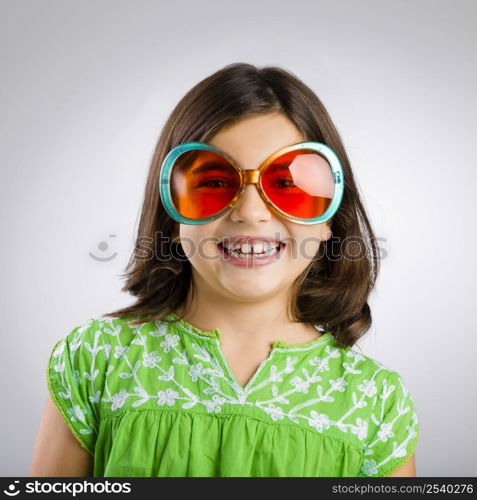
302, 183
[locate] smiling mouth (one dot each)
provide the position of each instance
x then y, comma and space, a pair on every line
268, 251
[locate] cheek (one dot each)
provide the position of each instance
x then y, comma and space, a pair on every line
206, 251
200, 250
308, 248
306, 245
188, 240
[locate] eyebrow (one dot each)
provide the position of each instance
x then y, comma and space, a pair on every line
205, 167
208, 166
281, 166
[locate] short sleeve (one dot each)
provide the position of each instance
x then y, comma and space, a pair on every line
394, 429
74, 376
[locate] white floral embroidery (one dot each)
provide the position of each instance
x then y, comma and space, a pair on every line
91, 376
139, 340
169, 374
368, 387
195, 371
275, 412
319, 421
214, 405
107, 351
76, 378
167, 397
355, 355
59, 350
196, 374
118, 399
360, 429
151, 359
169, 342
60, 367
300, 384
95, 397
385, 431
321, 364
77, 413
338, 384
120, 351
275, 375
204, 355
369, 468
75, 345
160, 330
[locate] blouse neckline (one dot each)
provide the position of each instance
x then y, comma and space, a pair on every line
276, 344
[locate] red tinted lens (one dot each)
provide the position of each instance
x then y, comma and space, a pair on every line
203, 183
300, 183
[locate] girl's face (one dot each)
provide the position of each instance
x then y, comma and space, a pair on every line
249, 142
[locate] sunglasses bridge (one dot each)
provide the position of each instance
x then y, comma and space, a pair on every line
251, 176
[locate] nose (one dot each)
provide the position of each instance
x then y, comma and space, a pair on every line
250, 207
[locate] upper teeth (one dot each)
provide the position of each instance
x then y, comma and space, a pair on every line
247, 247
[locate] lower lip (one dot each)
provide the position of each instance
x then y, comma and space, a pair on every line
252, 260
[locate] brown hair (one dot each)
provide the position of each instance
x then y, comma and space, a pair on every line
331, 292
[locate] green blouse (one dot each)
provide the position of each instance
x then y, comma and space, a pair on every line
159, 399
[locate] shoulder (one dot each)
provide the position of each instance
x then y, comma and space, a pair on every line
392, 423
88, 338
82, 359
111, 336
102, 328
350, 360
362, 375
385, 414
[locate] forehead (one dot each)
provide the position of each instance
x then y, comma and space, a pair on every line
253, 139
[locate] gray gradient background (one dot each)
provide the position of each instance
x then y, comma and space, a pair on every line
86, 88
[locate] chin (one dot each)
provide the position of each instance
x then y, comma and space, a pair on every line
251, 292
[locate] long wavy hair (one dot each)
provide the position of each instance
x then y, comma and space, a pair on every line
333, 290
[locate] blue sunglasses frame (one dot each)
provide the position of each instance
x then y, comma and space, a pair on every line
251, 176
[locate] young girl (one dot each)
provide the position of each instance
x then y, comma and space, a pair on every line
237, 357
